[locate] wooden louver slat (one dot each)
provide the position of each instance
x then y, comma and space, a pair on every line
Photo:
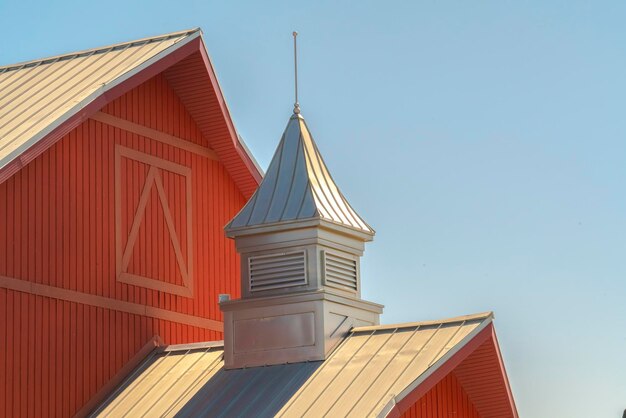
277, 271
340, 272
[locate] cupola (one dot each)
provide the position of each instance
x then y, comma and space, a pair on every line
300, 244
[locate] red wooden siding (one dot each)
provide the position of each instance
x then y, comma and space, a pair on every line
67, 323
196, 87
446, 399
484, 378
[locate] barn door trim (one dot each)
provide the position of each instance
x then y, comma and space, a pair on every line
124, 252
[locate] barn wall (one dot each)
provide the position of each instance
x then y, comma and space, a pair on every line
68, 323
446, 400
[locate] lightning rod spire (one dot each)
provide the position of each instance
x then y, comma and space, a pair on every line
296, 105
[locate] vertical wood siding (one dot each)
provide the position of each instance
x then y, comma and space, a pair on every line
484, 379
446, 400
57, 228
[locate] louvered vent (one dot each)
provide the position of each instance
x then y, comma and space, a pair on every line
340, 272
277, 271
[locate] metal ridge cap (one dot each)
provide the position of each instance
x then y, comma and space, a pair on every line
483, 315
166, 36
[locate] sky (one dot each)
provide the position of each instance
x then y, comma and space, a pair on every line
485, 142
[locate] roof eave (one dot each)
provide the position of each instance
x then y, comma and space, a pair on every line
232, 232
19, 65
241, 148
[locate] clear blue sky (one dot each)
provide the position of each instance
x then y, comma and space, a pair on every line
485, 141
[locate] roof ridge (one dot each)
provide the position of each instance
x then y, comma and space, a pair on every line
106, 48
471, 317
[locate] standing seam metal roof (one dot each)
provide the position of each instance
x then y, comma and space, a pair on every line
298, 168
37, 95
369, 369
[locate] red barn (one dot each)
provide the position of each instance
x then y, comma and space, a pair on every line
119, 167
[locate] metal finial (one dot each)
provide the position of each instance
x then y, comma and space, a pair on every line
296, 105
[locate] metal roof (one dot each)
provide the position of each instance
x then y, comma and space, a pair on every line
37, 96
360, 378
298, 169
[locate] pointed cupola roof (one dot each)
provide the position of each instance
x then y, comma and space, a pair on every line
297, 187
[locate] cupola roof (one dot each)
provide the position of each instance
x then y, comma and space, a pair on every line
297, 187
